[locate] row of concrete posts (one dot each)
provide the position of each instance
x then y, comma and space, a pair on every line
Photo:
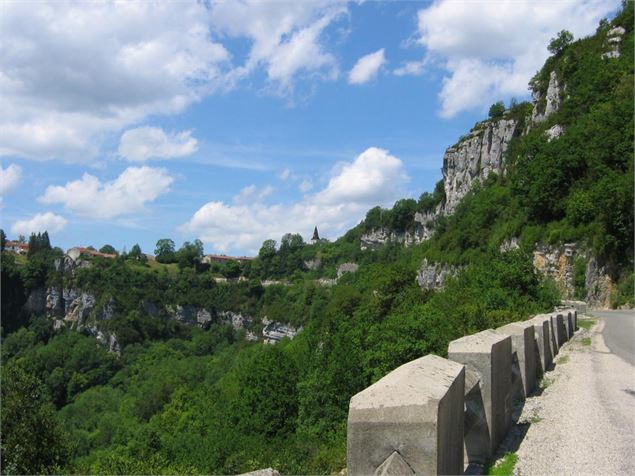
436, 415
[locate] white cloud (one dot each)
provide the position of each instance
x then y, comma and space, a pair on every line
305, 186
373, 178
411, 68
251, 194
126, 195
143, 143
40, 222
366, 67
9, 178
495, 57
285, 174
285, 36
73, 72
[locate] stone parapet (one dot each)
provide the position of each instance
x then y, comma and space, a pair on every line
410, 421
489, 355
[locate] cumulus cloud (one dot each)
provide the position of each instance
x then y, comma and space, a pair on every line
285, 36
495, 57
39, 223
366, 67
143, 143
411, 68
126, 195
72, 72
9, 178
305, 186
374, 178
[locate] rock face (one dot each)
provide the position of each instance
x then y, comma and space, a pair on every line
598, 284
613, 42
554, 132
346, 268
189, 314
474, 158
236, 319
432, 276
547, 104
557, 262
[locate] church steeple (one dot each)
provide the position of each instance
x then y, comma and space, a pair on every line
316, 236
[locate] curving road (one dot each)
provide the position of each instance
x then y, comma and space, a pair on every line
583, 423
619, 332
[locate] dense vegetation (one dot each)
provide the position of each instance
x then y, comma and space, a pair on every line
183, 399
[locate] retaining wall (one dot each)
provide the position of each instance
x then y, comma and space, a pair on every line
436, 415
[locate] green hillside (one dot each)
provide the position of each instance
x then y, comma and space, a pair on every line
184, 399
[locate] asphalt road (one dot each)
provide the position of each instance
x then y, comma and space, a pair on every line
619, 333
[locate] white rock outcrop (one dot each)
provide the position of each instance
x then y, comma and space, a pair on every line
552, 100
474, 159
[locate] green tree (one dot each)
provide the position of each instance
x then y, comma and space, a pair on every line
560, 42
403, 214
267, 250
3, 240
497, 110
165, 251
33, 442
267, 402
108, 249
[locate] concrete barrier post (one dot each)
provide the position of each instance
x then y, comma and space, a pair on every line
542, 333
559, 330
410, 421
489, 355
575, 320
524, 346
570, 322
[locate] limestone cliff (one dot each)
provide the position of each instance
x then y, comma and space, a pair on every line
474, 158
558, 261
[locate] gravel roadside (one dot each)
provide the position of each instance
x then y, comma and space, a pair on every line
583, 422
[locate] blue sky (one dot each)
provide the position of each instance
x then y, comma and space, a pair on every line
234, 122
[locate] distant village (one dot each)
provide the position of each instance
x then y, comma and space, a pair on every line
22, 248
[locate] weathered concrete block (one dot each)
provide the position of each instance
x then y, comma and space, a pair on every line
476, 431
567, 318
579, 306
524, 345
559, 331
410, 421
575, 320
542, 334
565, 325
489, 354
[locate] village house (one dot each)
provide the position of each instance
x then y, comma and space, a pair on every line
223, 259
16, 247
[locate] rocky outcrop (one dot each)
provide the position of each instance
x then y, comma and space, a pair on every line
548, 103
346, 268
474, 158
510, 244
236, 319
312, 264
274, 332
432, 276
554, 132
36, 301
189, 314
598, 283
613, 42
556, 262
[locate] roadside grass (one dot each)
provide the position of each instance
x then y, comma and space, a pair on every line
545, 383
505, 466
563, 359
587, 323
586, 341
535, 419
